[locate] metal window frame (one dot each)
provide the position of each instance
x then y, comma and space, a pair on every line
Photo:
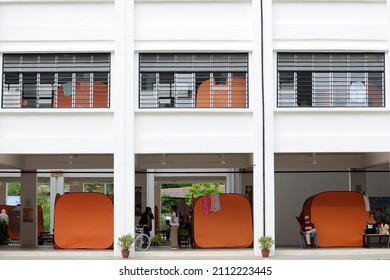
98, 63
349, 70
211, 63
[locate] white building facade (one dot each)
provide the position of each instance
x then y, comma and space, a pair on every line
118, 84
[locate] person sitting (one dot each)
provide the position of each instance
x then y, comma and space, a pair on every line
371, 225
384, 228
308, 230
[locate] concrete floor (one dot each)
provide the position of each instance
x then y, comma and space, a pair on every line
49, 253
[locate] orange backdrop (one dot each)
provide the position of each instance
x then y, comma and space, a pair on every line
83, 220
230, 228
220, 94
340, 218
82, 95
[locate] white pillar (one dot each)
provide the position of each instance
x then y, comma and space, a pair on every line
262, 98
56, 187
269, 93
229, 188
28, 211
123, 101
150, 194
233, 181
255, 89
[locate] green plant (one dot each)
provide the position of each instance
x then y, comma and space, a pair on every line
125, 241
266, 242
156, 239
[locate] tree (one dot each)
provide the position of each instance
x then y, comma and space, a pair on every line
13, 189
198, 190
44, 201
106, 188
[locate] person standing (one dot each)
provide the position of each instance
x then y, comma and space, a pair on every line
4, 216
174, 227
146, 222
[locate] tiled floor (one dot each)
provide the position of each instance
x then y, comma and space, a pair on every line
49, 253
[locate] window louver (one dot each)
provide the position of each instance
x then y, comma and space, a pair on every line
193, 80
330, 80
56, 80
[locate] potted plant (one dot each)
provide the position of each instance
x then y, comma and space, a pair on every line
156, 239
124, 242
265, 245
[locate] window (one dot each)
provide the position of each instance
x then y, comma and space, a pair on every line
56, 81
331, 80
193, 81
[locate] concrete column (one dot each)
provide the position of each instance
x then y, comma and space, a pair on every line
229, 188
28, 211
233, 182
269, 87
150, 194
124, 87
56, 186
255, 89
3, 193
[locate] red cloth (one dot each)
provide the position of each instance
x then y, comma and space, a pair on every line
306, 227
206, 206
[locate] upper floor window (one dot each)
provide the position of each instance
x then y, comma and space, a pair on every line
331, 79
56, 81
193, 80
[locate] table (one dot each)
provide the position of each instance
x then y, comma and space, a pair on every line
367, 237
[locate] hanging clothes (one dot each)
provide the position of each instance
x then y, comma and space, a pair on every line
212, 202
206, 204
217, 202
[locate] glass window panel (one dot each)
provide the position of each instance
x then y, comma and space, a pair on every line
322, 62
322, 89
184, 62
357, 62
65, 63
340, 89
375, 89
148, 80
220, 63
304, 62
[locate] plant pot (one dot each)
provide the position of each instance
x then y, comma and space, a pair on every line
125, 254
265, 253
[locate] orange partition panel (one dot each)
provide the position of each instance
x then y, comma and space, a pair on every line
340, 218
229, 228
83, 220
220, 97
83, 96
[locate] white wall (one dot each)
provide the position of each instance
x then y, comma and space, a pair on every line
327, 26
193, 131
53, 25
332, 130
192, 25
378, 184
330, 25
56, 132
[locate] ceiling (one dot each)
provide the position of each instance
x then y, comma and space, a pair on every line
194, 161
